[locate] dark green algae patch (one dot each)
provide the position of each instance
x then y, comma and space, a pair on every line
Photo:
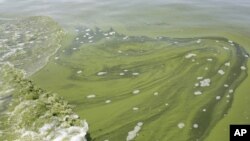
179, 88
168, 88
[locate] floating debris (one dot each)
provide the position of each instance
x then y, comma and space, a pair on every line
56, 58
204, 110
226, 85
226, 48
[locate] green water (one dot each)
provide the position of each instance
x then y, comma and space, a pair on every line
147, 77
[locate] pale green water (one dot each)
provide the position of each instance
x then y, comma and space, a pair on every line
229, 19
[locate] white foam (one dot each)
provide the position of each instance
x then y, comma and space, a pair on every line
181, 125
51, 132
196, 84
79, 72
198, 41
135, 73
209, 59
243, 68
221, 72
227, 64
226, 48
195, 125
135, 108
156, 93
136, 91
101, 73
199, 78
190, 55
108, 101
121, 73
90, 37
125, 38
231, 91
111, 33
132, 134
205, 82
91, 96
218, 97
197, 93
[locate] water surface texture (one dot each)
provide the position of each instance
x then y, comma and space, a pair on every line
135, 70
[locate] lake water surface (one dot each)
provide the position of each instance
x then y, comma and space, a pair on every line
213, 19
